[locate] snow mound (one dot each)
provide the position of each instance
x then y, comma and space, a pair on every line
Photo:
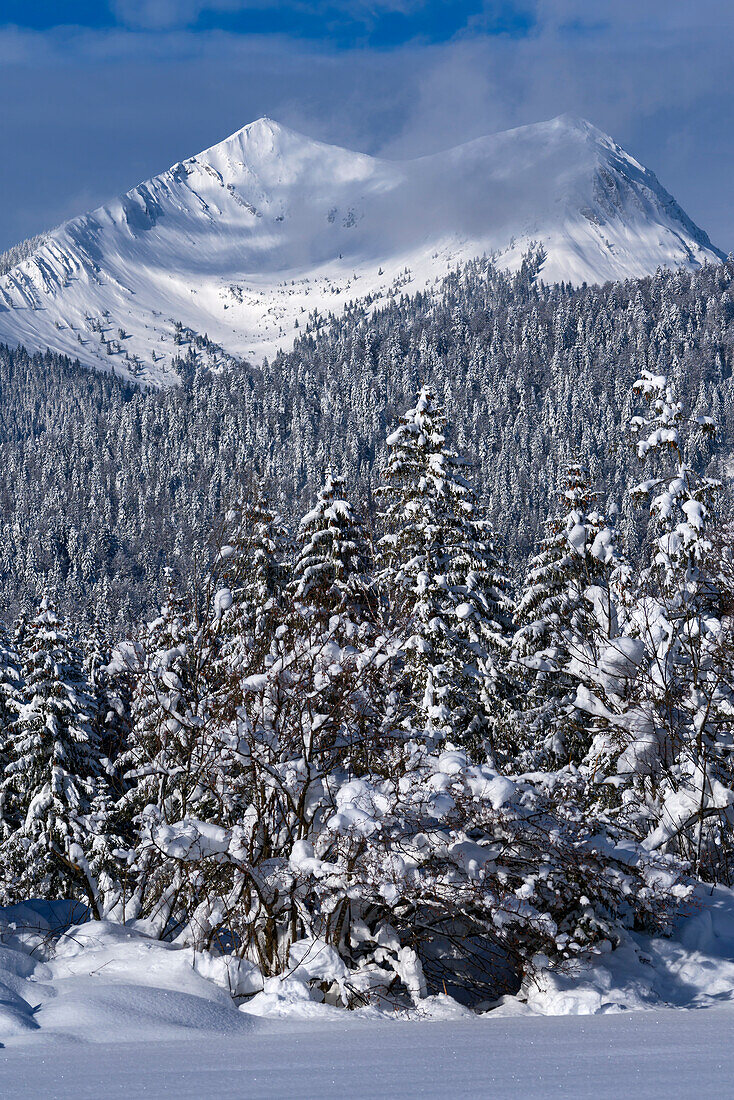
100, 982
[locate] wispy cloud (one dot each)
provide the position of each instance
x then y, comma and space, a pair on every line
184, 13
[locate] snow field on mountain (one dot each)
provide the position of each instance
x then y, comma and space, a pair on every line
101, 1009
243, 242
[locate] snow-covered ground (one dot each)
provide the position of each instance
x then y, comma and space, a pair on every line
104, 1011
661, 1055
247, 239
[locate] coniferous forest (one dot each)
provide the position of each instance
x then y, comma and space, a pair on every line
416, 643
103, 487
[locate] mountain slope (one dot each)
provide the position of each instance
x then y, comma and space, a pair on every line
245, 240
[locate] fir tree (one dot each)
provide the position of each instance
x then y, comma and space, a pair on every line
247, 595
10, 704
331, 572
489, 631
10, 685
161, 708
251, 558
556, 618
430, 571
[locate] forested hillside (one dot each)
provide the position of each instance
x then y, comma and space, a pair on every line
103, 486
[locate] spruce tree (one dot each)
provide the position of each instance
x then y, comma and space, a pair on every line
247, 591
163, 705
489, 631
331, 573
430, 563
557, 621
10, 703
251, 559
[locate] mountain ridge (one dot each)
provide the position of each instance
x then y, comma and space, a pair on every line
248, 238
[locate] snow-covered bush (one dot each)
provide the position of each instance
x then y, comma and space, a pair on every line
442, 876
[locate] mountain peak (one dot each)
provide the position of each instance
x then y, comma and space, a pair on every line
577, 122
263, 130
264, 142
266, 126
575, 126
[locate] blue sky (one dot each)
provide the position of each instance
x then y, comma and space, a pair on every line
346, 24
98, 95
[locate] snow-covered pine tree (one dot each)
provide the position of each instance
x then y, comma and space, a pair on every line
109, 693
245, 598
10, 683
10, 702
156, 665
331, 573
251, 560
54, 776
431, 559
557, 613
20, 631
489, 631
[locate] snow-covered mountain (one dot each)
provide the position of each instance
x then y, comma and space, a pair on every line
244, 241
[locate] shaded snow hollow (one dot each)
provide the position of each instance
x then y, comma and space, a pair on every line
104, 1010
243, 241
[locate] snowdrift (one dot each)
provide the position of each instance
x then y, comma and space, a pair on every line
99, 982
